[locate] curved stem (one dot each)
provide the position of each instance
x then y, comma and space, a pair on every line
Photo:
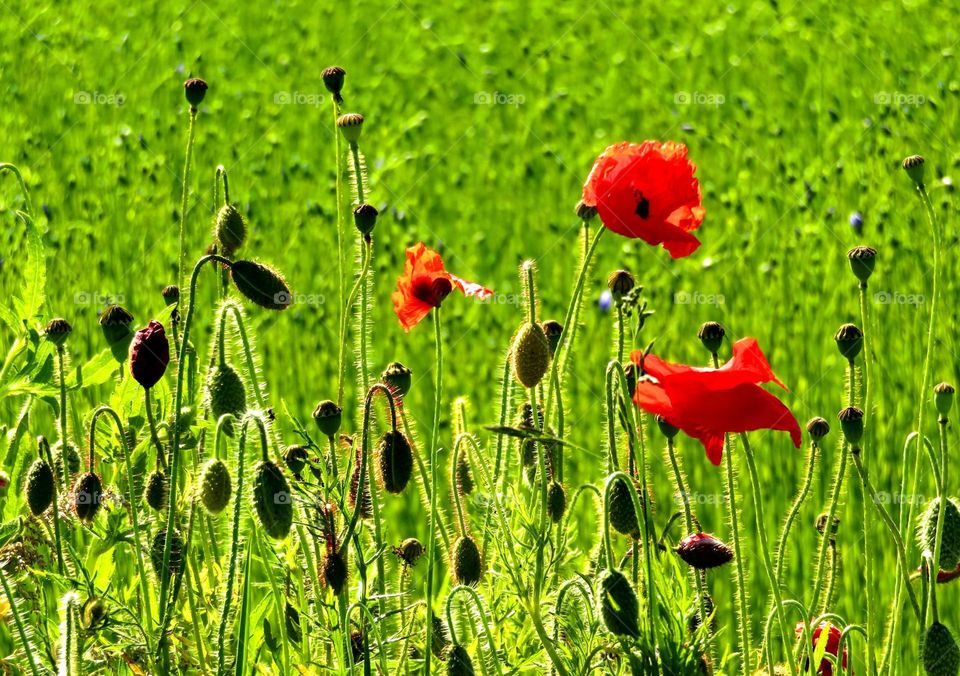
484, 622
457, 499
6, 166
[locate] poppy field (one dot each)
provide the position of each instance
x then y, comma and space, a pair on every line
445, 338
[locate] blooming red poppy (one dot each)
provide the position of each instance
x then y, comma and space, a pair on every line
833, 645
149, 355
424, 284
708, 403
648, 190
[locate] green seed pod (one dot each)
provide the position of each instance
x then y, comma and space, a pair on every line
69, 459
225, 394
261, 284
618, 604
350, 125
155, 490
585, 212
333, 80
862, 261
215, 485
711, 335
328, 417
623, 517
57, 331
556, 501
295, 458
851, 424
87, 496
530, 354
818, 428
395, 461
398, 378
943, 398
195, 89
333, 572
40, 486
849, 340
229, 230
176, 552
459, 662
553, 330
465, 561
941, 655
272, 499
914, 166
950, 542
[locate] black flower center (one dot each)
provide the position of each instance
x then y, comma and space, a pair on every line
643, 205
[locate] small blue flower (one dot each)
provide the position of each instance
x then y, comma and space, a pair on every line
856, 221
606, 301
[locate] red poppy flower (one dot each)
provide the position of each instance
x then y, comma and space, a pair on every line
833, 644
424, 284
708, 403
149, 355
648, 190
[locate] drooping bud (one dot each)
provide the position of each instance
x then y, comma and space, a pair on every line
365, 218
849, 340
556, 501
155, 490
175, 560
57, 331
229, 230
623, 516
440, 637
466, 563
149, 355
459, 662
818, 428
272, 499
350, 125
463, 477
115, 323
171, 294
333, 80
619, 607
261, 284
333, 571
703, 551
398, 378
851, 423
93, 613
359, 496
620, 283
668, 430
195, 89
950, 540
584, 212
225, 394
328, 417
395, 461
40, 486
943, 398
215, 485
87, 496
711, 335
941, 655
862, 261
914, 166
552, 329
530, 355
409, 551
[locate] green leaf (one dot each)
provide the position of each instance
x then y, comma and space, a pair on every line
34, 276
99, 370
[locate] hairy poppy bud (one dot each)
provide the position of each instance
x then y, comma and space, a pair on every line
943, 398
619, 607
851, 424
295, 458
395, 461
87, 496
914, 166
176, 552
703, 551
350, 125
668, 430
711, 335
552, 329
229, 230
818, 428
459, 662
171, 294
849, 340
862, 260
941, 655
65, 460
358, 492
215, 485
530, 354
409, 551
620, 283
365, 218
398, 378
333, 571
440, 637
57, 331
464, 479
40, 486
465, 561
272, 499
195, 89
115, 323
328, 417
333, 80
149, 355
261, 284
950, 542
623, 517
155, 490
585, 212
225, 394
556, 501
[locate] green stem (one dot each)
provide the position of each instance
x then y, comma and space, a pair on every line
351, 298
828, 527
152, 424
6, 166
185, 197
341, 238
19, 624
434, 434
794, 510
61, 568
63, 418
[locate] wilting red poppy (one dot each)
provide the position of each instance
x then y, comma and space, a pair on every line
424, 284
648, 190
149, 355
833, 644
708, 403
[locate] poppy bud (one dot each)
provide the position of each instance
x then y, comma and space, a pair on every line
849, 340
395, 461
215, 485
291, 618
40, 486
409, 551
87, 495
365, 218
941, 655
229, 230
328, 417
225, 394
466, 563
295, 458
176, 552
818, 428
464, 479
703, 551
950, 541
195, 89
620, 283
115, 324
333, 80
618, 604
552, 329
261, 284
350, 125
914, 166
851, 424
57, 331
357, 491
711, 335
398, 378
530, 354
155, 490
149, 355
171, 294
584, 212
272, 499
333, 572
459, 662
668, 430
93, 612
862, 260
821, 525
556, 501
68, 460
943, 398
